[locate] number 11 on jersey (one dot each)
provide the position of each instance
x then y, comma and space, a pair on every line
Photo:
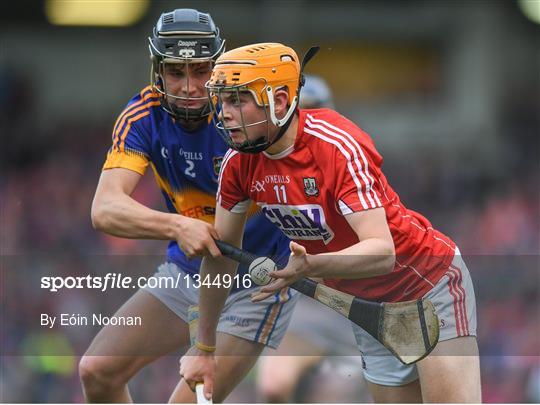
281, 194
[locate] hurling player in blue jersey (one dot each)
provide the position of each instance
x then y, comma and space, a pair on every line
167, 126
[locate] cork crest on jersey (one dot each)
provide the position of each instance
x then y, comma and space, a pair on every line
310, 187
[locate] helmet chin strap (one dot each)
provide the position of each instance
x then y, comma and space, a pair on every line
284, 127
285, 122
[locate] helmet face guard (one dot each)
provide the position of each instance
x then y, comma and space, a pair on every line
186, 37
259, 70
172, 103
233, 94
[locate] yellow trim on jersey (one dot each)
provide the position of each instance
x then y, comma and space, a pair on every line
193, 202
129, 108
128, 159
130, 111
189, 201
128, 127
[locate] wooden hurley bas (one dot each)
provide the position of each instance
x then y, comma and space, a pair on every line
410, 329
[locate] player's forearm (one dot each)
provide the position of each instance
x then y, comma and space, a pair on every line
124, 217
212, 298
369, 258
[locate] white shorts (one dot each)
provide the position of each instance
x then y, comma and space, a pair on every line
323, 327
455, 304
263, 322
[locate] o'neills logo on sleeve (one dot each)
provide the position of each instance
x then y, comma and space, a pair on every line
305, 222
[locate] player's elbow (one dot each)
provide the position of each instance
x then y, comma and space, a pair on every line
388, 263
387, 259
99, 217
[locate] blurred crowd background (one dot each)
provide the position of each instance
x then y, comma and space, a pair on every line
449, 91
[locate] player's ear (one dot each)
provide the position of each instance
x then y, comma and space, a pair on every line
281, 101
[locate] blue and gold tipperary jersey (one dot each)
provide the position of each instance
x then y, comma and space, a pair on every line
186, 166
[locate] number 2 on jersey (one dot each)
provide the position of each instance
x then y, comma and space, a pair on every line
189, 170
281, 197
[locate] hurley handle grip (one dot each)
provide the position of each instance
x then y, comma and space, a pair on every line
201, 399
238, 255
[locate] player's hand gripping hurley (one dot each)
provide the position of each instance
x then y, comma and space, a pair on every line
410, 329
193, 321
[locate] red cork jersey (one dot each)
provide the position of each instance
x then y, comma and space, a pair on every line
331, 171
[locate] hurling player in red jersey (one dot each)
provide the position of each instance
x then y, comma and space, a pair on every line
318, 178
321, 352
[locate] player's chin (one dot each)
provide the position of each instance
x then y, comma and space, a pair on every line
237, 136
192, 105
